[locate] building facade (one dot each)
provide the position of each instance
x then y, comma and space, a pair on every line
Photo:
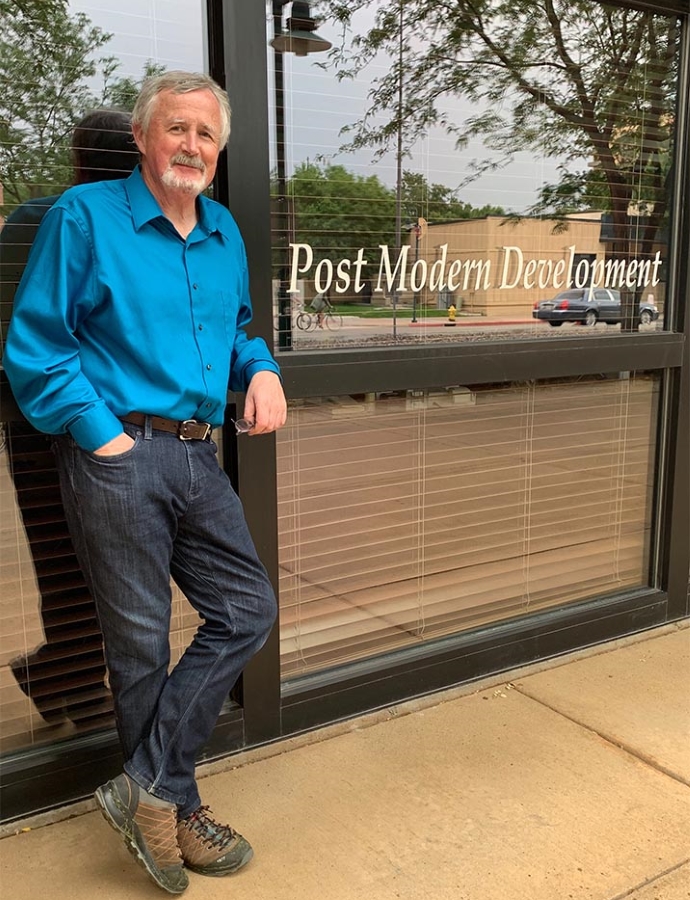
444, 502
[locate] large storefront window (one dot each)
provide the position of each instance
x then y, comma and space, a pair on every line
445, 175
408, 516
58, 63
483, 463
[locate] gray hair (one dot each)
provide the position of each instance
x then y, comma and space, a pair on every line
180, 83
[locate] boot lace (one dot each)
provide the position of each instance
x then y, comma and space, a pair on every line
158, 829
214, 835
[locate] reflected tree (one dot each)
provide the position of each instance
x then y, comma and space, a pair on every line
337, 212
53, 69
122, 92
47, 58
437, 202
590, 84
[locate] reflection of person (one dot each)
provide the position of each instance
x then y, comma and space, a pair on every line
65, 675
130, 368
318, 305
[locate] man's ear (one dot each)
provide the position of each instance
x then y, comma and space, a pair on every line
139, 139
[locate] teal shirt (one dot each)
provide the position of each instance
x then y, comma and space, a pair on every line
116, 313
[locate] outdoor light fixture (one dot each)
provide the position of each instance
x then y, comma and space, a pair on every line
298, 38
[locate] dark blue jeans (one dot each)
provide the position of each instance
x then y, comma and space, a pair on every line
166, 508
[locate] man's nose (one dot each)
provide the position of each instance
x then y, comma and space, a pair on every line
190, 143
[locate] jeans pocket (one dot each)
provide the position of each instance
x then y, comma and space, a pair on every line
115, 457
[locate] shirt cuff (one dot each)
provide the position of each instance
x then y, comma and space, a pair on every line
95, 428
260, 365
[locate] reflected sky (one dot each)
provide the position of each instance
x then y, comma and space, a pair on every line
318, 107
170, 32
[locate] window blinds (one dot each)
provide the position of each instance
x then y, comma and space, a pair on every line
406, 517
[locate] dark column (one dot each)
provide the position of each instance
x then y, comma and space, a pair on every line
238, 56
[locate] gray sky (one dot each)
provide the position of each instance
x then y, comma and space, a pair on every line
171, 32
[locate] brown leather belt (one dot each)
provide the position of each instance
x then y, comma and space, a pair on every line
187, 430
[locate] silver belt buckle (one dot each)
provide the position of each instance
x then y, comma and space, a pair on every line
186, 437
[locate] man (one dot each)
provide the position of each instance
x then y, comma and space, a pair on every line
318, 304
129, 364
102, 149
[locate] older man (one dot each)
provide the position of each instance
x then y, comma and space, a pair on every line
128, 327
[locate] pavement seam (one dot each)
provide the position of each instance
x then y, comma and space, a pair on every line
652, 880
620, 745
367, 719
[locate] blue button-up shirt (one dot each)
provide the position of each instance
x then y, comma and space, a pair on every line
116, 313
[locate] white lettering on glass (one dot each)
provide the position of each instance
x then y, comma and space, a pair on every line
516, 270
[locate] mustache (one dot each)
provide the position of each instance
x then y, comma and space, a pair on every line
183, 160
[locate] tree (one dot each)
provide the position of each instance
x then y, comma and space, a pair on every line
47, 57
437, 202
123, 92
591, 84
49, 61
337, 212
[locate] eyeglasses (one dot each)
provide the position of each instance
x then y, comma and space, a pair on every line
242, 426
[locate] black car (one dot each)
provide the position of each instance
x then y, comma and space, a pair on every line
587, 306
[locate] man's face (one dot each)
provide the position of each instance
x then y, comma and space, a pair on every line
181, 145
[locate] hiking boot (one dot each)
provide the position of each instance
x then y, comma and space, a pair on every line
149, 830
210, 848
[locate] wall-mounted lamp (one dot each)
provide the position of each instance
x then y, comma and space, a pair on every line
299, 37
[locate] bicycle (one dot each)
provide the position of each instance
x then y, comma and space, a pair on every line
305, 321
300, 319
330, 318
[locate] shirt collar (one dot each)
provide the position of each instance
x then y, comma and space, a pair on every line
143, 204
145, 207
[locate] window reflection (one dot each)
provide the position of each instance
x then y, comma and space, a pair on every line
440, 159
61, 66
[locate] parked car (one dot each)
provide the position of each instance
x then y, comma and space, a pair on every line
587, 306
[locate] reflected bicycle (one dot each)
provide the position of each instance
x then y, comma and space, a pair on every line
331, 318
308, 321
301, 319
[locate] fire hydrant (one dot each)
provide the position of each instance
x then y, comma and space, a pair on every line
451, 315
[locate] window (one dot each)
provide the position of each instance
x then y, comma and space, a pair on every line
416, 191
408, 516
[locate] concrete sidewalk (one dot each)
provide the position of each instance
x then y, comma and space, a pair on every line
568, 781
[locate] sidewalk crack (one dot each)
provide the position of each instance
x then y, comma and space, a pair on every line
651, 880
621, 745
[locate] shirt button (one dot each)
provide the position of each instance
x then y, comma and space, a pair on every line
209, 367
195, 286
201, 327
209, 405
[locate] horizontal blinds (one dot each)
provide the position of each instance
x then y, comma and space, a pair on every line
405, 518
50, 645
53, 682
48, 623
